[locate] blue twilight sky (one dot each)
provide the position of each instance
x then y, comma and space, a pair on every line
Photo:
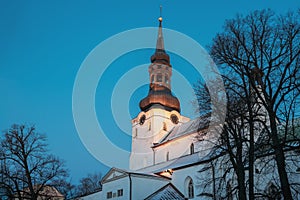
43, 43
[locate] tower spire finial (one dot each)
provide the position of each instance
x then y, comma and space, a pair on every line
160, 15
160, 39
160, 55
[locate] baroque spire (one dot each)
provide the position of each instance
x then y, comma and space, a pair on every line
160, 72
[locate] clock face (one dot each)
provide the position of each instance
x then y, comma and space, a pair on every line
142, 119
174, 119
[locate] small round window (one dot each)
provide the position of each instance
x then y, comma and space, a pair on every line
174, 119
142, 119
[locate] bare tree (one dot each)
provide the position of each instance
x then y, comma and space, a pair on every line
26, 166
89, 184
237, 137
264, 49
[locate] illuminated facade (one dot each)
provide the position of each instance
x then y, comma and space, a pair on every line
173, 157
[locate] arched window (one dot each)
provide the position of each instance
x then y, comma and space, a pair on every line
167, 156
166, 79
164, 126
192, 149
189, 188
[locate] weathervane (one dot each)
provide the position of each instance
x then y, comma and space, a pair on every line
160, 17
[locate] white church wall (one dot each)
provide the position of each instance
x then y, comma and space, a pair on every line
174, 149
115, 187
141, 137
149, 128
183, 146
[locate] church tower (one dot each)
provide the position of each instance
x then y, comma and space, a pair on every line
160, 109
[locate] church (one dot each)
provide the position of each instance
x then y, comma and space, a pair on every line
172, 156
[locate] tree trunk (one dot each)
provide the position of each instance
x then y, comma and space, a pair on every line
241, 184
280, 159
251, 153
241, 170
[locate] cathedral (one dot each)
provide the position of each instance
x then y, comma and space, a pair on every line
172, 156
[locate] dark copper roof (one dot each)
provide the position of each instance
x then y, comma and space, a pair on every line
160, 57
160, 96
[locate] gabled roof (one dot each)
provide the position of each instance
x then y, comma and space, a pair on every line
115, 173
169, 191
185, 129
